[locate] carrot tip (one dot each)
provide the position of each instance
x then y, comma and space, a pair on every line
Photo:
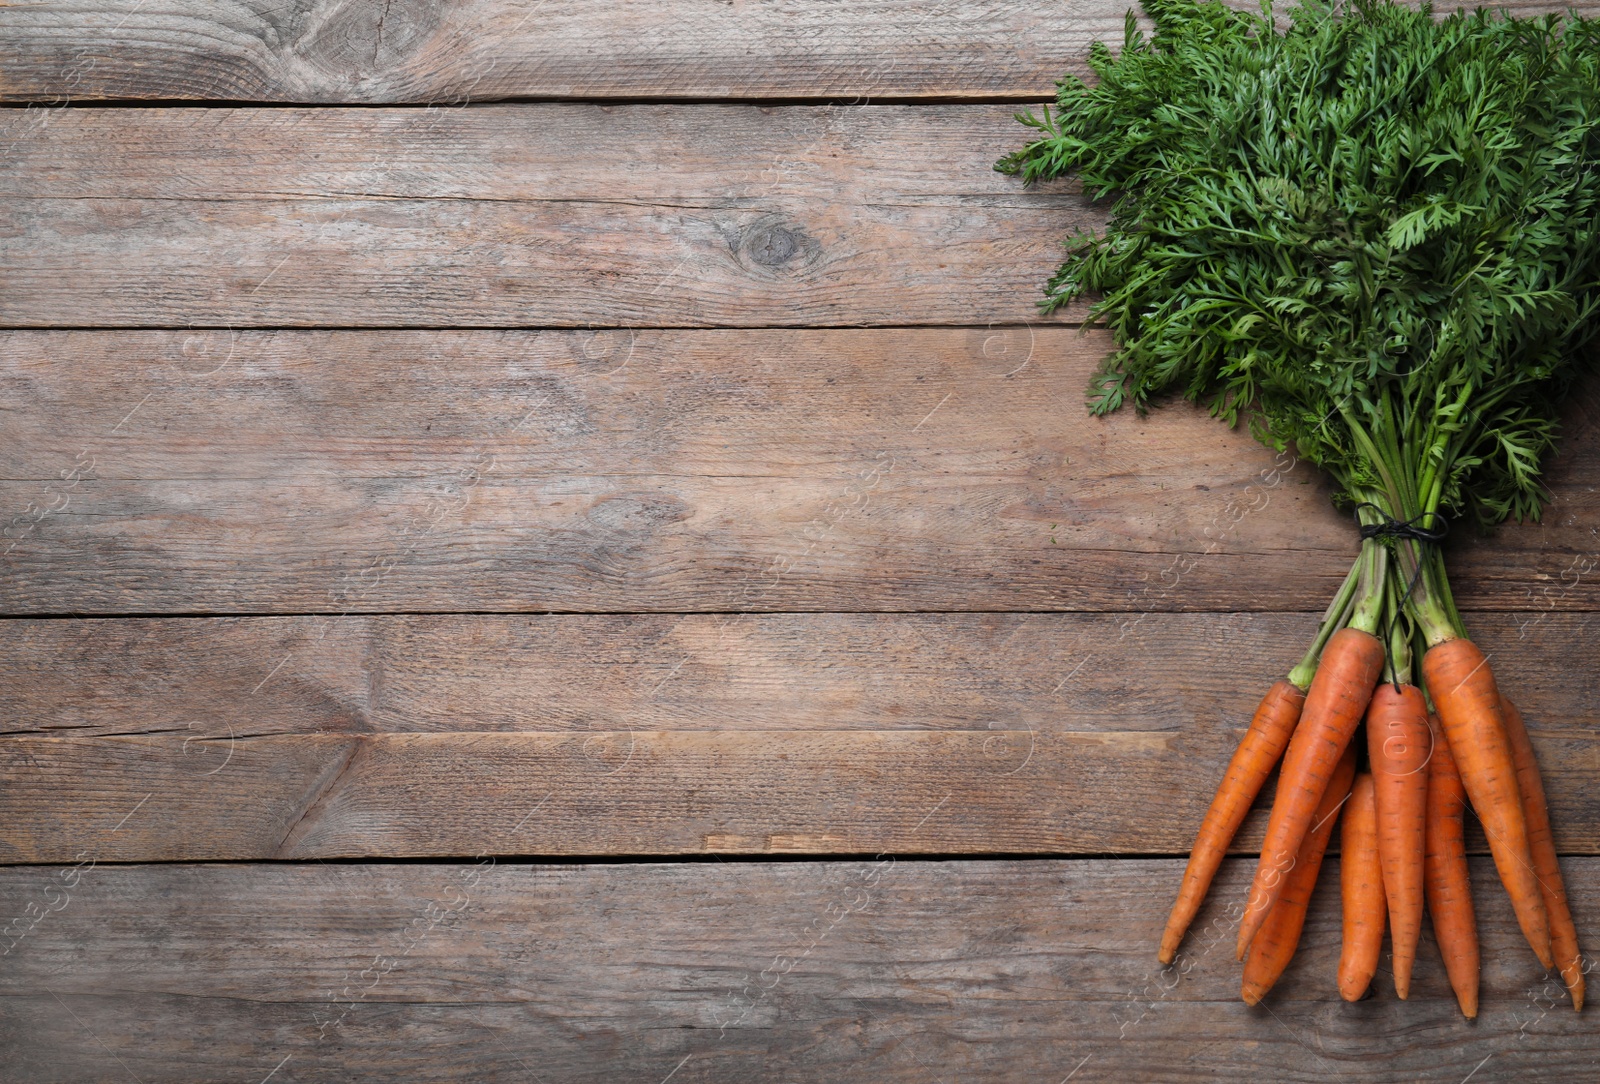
1252, 993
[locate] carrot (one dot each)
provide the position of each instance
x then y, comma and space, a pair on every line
1449, 888
1252, 762
1361, 891
1334, 705
1563, 935
1272, 948
1464, 693
1398, 743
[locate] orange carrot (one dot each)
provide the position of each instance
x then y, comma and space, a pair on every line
1272, 948
1464, 692
1563, 935
1398, 743
1252, 762
1361, 891
1445, 870
1334, 705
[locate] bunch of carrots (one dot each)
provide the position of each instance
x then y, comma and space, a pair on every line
1375, 236
1431, 749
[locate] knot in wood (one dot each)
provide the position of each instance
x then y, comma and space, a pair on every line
360, 39
771, 244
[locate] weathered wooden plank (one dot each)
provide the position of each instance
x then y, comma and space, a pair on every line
826, 734
641, 792
597, 217
630, 471
1193, 677
251, 472
696, 157
724, 672
892, 970
420, 51
424, 51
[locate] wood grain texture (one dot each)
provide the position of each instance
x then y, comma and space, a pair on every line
254, 472
250, 739
639, 793
427, 51
256, 677
424, 51
885, 970
523, 215
639, 470
649, 471
1194, 676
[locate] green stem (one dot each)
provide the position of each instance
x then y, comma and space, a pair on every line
1437, 619
1433, 473
1332, 621
1368, 609
1441, 585
1399, 468
1399, 659
1408, 490
1379, 463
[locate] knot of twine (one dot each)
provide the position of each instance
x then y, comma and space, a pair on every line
1405, 528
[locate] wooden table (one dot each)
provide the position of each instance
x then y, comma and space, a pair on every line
549, 542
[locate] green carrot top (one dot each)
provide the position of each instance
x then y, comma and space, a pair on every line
1374, 233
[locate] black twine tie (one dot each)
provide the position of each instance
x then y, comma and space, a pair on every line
1404, 528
